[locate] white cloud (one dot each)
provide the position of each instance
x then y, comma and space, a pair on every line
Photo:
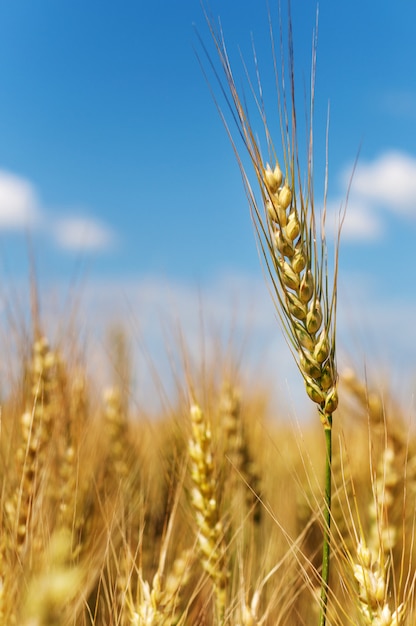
79, 232
21, 208
386, 185
389, 180
18, 202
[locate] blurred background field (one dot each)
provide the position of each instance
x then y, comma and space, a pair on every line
100, 500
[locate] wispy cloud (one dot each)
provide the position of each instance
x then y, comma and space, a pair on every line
218, 321
389, 180
21, 208
361, 222
18, 202
215, 325
82, 233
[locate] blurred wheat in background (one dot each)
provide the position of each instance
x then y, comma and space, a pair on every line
209, 516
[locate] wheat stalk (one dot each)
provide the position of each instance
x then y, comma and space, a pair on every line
293, 247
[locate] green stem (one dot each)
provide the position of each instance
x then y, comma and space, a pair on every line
327, 520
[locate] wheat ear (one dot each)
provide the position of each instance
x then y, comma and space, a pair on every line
205, 504
36, 427
372, 572
372, 569
58, 582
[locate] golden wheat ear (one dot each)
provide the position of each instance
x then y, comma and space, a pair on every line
204, 501
54, 587
292, 244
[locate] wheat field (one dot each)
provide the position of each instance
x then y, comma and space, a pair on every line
211, 514
221, 510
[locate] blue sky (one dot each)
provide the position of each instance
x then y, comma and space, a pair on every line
114, 159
